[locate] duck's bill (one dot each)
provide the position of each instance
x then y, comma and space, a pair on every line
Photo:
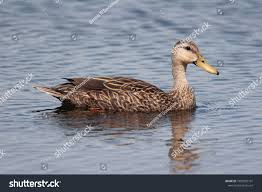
203, 64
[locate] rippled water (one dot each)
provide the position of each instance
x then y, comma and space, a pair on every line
54, 39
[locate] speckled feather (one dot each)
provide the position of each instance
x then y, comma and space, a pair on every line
120, 94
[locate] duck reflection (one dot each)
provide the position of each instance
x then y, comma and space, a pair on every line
77, 118
183, 156
181, 159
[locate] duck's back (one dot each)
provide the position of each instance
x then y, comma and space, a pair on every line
111, 94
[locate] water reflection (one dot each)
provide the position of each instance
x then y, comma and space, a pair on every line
77, 118
180, 126
122, 123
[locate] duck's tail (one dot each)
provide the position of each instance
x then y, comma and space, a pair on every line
49, 91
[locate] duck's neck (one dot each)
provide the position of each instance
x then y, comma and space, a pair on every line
179, 75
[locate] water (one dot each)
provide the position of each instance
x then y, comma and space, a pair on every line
54, 39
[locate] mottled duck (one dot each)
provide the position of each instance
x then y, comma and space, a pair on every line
133, 95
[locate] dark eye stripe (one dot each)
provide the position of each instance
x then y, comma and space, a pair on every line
187, 48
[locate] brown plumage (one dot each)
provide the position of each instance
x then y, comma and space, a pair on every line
128, 94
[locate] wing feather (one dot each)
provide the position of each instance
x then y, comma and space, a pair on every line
113, 83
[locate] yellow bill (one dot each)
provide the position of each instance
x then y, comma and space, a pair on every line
203, 64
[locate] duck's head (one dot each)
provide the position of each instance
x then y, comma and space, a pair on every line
187, 52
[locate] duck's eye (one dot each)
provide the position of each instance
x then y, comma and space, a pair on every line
187, 48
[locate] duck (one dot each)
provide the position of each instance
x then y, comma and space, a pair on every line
123, 94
